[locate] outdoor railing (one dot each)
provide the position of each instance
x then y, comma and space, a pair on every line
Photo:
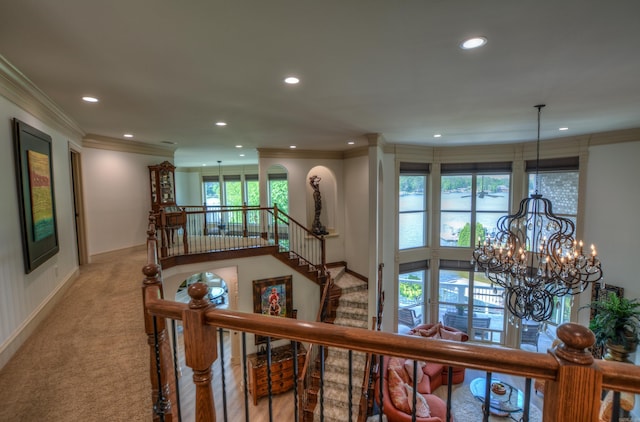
574, 381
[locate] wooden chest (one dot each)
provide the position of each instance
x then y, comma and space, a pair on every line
281, 371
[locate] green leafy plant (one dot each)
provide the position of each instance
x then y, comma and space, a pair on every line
410, 291
617, 320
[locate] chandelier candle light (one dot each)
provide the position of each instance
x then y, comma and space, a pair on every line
535, 257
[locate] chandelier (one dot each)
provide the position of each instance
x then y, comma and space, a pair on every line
534, 256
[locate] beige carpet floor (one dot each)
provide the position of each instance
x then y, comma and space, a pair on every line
89, 360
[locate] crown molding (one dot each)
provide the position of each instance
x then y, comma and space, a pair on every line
356, 152
615, 136
113, 144
17, 88
299, 154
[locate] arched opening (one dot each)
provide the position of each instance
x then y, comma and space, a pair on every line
321, 200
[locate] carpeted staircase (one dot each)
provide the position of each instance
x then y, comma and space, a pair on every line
352, 311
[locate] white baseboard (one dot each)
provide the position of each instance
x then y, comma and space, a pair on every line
28, 327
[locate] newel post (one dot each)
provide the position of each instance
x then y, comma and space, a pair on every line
574, 396
162, 374
201, 350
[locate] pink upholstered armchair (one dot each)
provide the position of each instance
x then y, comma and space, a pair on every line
437, 407
446, 333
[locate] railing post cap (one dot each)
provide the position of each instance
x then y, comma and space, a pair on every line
151, 270
575, 339
198, 292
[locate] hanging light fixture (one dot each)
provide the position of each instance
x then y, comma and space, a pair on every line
535, 257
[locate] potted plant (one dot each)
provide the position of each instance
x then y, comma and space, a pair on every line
616, 325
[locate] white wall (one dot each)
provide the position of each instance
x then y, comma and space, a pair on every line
188, 187
24, 295
297, 176
356, 212
117, 198
306, 294
612, 209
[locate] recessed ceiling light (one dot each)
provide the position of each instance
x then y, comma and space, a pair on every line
90, 99
292, 146
238, 146
351, 142
204, 165
291, 80
437, 135
221, 123
241, 155
128, 135
474, 42
563, 128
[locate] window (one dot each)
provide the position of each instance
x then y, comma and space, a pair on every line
469, 302
412, 224
473, 197
278, 191
557, 180
252, 189
412, 285
232, 191
211, 187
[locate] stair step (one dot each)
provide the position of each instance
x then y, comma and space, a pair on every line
352, 310
359, 313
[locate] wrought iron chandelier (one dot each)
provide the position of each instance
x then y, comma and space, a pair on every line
535, 257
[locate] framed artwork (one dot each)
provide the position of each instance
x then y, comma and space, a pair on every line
274, 297
36, 198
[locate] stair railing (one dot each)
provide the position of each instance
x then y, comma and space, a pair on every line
569, 369
305, 378
370, 372
197, 229
301, 243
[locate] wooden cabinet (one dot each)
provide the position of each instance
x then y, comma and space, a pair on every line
163, 189
281, 371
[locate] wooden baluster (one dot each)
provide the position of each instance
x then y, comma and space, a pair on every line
275, 226
574, 396
185, 236
164, 235
245, 227
201, 350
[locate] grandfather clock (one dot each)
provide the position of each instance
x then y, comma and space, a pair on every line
163, 189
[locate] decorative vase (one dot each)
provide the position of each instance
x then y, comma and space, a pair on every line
618, 352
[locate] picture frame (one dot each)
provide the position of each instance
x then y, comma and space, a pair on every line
274, 297
36, 196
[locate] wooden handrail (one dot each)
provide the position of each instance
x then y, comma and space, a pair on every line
568, 368
549, 367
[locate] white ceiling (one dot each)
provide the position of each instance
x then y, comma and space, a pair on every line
167, 70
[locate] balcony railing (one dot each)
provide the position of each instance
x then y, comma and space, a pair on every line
574, 381
203, 229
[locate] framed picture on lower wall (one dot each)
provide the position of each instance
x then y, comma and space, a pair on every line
36, 198
274, 297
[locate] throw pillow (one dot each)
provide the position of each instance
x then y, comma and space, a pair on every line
422, 407
627, 402
451, 335
397, 392
397, 365
429, 333
408, 367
